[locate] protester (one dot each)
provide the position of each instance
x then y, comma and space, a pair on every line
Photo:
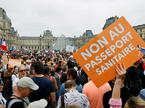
72, 75
28, 64
72, 97
46, 89
124, 95
7, 79
95, 94
47, 74
24, 87
20, 74
115, 100
134, 79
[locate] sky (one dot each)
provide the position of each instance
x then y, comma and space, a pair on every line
69, 17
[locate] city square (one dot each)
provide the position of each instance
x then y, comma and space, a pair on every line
72, 54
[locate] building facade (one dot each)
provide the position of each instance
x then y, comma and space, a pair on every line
82, 40
8, 32
141, 30
47, 40
43, 42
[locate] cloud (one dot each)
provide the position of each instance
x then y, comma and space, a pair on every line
69, 17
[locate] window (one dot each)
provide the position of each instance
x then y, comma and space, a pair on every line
143, 30
138, 30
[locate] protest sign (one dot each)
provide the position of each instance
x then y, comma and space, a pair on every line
116, 44
70, 48
5, 60
14, 62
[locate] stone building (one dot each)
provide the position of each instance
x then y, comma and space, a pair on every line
5, 22
38, 42
141, 30
8, 32
83, 39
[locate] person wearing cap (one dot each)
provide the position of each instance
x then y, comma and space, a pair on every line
24, 87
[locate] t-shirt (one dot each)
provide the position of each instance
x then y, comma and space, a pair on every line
45, 88
95, 94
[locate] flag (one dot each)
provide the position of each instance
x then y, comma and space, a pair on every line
3, 45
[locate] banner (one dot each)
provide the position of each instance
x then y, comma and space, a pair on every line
116, 44
5, 59
14, 62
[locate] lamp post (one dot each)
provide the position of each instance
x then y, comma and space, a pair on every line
40, 42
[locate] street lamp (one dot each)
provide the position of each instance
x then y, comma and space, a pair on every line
40, 42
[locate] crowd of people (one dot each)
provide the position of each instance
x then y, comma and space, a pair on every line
53, 79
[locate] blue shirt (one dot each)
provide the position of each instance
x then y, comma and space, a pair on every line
62, 89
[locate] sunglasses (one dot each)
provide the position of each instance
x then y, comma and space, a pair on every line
22, 70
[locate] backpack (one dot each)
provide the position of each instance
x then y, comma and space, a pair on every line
15, 100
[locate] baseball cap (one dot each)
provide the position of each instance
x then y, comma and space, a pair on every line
27, 82
142, 94
42, 103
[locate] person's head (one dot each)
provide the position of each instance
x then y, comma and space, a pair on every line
46, 70
70, 84
37, 67
16, 69
135, 102
25, 86
64, 68
72, 75
22, 71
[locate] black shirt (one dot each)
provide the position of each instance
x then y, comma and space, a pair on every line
45, 88
16, 103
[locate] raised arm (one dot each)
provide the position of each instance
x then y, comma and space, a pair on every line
115, 101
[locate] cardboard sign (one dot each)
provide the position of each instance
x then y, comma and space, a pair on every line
14, 62
5, 59
116, 44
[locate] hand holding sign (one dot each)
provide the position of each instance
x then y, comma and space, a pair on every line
121, 71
